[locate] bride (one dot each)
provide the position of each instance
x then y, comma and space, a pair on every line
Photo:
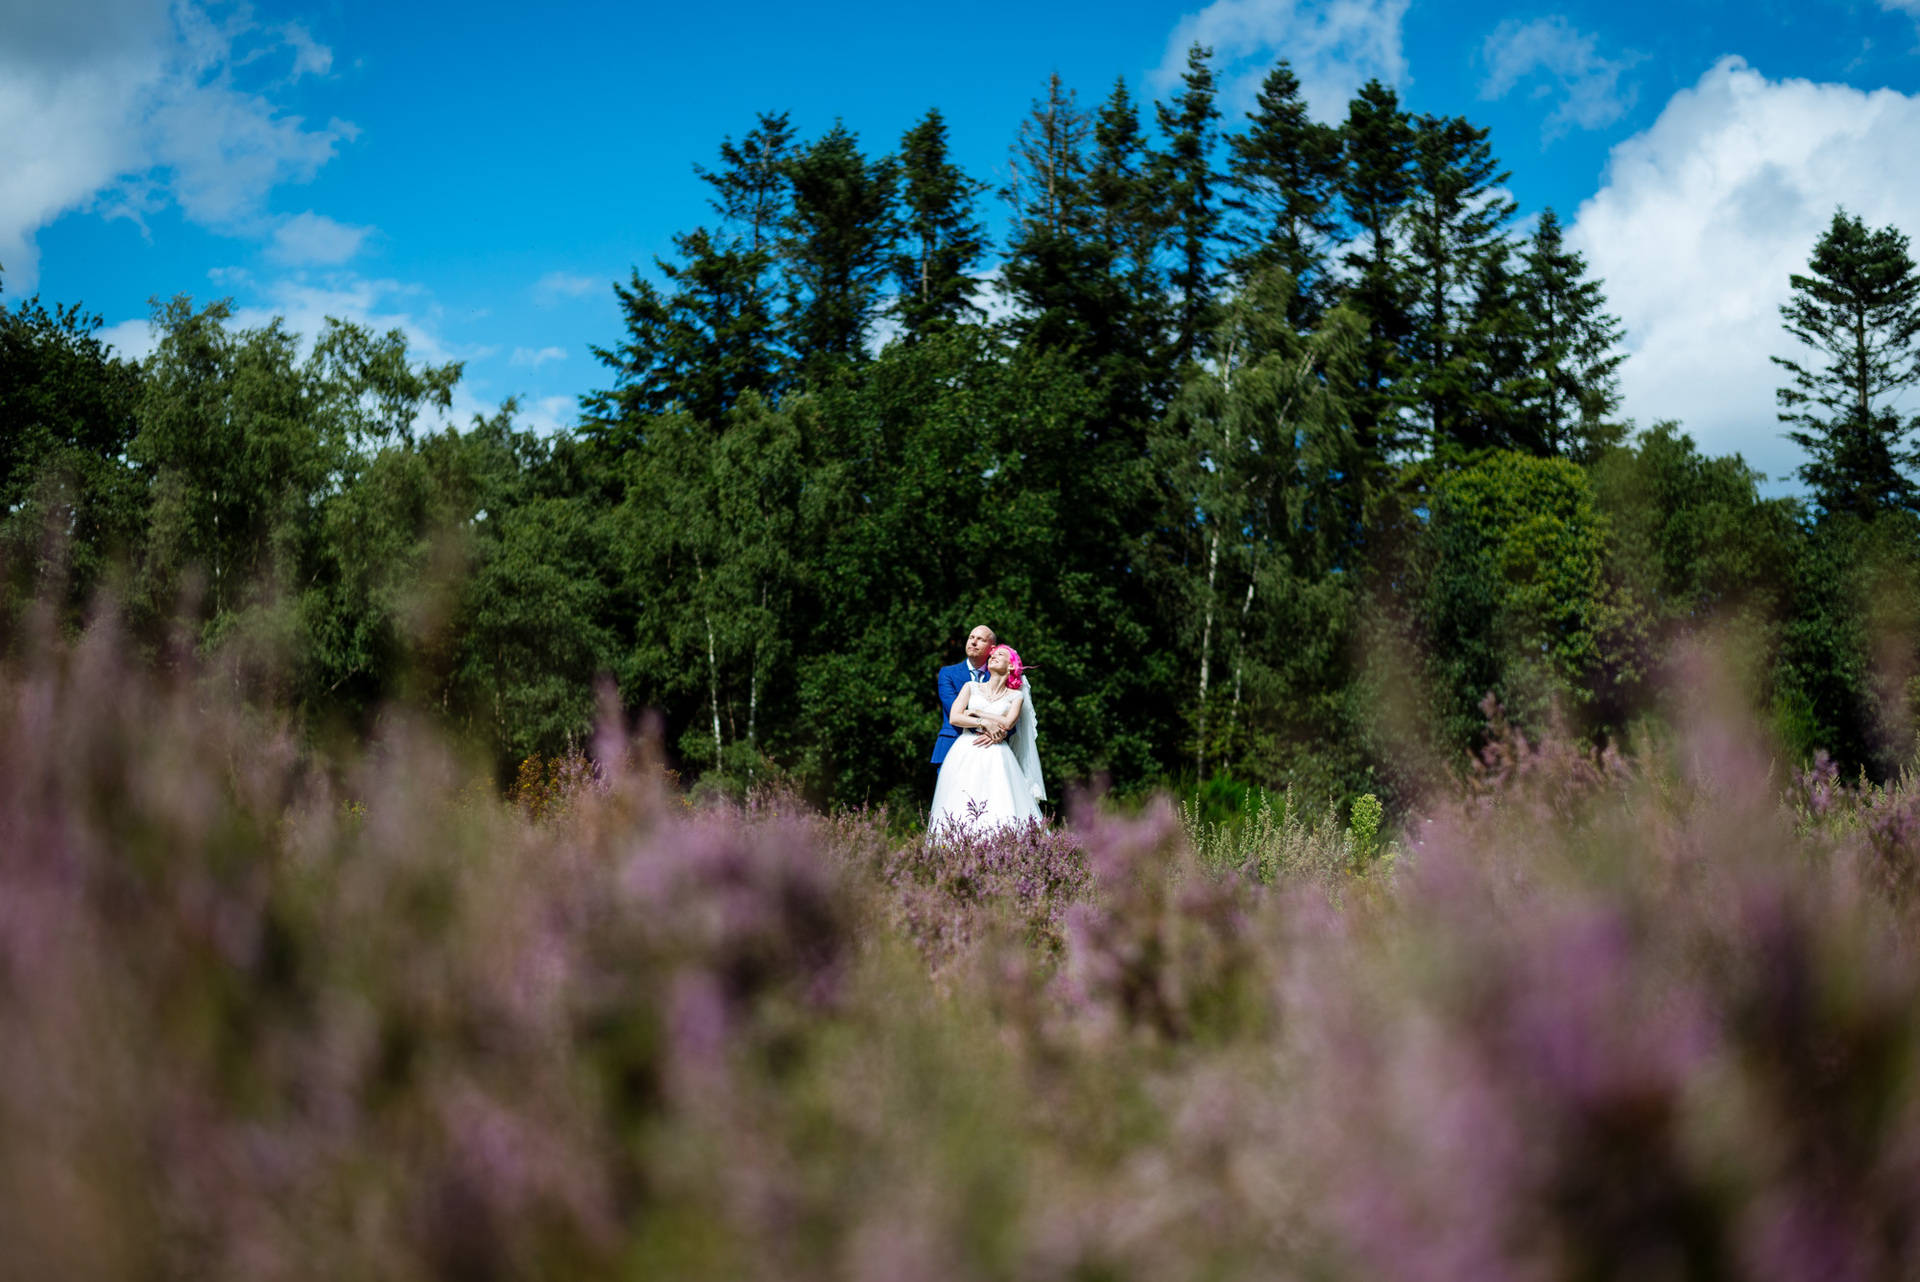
991, 779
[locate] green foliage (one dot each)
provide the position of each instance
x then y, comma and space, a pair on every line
1363, 828
1376, 184
1272, 843
1261, 470
1848, 646
700, 348
1454, 215
942, 238
837, 242
1280, 456
1284, 169
1859, 310
69, 498
1570, 383
1185, 171
1513, 599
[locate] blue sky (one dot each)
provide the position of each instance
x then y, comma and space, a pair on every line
479, 175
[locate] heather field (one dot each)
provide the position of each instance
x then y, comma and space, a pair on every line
267, 1012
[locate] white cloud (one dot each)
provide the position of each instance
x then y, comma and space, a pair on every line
127, 105
549, 414
132, 339
1335, 46
379, 305
554, 286
530, 357
315, 238
1704, 215
1564, 63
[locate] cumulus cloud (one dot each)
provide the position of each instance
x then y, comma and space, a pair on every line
380, 305
129, 105
304, 305
132, 339
1335, 46
535, 359
1702, 218
554, 286
549, 414
1561, 62
315, 238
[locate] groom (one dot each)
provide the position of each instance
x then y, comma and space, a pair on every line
980, 643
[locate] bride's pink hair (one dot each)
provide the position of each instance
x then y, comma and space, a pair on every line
1013, 664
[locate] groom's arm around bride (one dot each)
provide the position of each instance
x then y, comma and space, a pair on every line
954, 678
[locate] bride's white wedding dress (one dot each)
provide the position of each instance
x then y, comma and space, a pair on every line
983, 789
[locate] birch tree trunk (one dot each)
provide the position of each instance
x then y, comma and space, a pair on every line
1206, 643
1213, 567
713, 662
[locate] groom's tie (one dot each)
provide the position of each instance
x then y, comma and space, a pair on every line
979, 674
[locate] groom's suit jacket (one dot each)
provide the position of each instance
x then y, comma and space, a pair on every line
947, 689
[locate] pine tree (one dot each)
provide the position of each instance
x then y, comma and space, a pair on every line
837, 248
699, 348
1499, 381
1190, 126
713, 335
1572, 358
1454, 221
750, 190
1121, 171
1080, 265
941, 238
1284, 171
752, 195
1058, 269
1375, 185
1859, 309
1130, 222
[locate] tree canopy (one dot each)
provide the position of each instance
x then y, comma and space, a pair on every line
1270, 443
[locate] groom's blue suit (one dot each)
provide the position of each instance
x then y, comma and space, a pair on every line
947, 689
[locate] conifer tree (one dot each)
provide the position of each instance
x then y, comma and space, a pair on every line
1375, 184
838, 241
1859, 309
1500, 383
1131, 224
1058, 269
1454, 220
713, 336
941, 238
1191, 129
698, 348
751, 195
1121, 170
750, 190
1572, 359
1284, 172
1081, 267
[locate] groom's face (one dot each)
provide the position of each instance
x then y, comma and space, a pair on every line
979, 642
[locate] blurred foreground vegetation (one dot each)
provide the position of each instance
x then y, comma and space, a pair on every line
270, 1014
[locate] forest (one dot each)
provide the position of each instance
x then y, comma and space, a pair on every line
1287, 453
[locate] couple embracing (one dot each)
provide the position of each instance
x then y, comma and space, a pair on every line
987, 748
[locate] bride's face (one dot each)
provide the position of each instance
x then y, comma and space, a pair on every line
997, 663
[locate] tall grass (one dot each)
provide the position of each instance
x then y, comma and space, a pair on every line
265, 1014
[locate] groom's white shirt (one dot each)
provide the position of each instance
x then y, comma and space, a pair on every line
973, 670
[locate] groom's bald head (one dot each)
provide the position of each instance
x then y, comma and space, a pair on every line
979, 642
